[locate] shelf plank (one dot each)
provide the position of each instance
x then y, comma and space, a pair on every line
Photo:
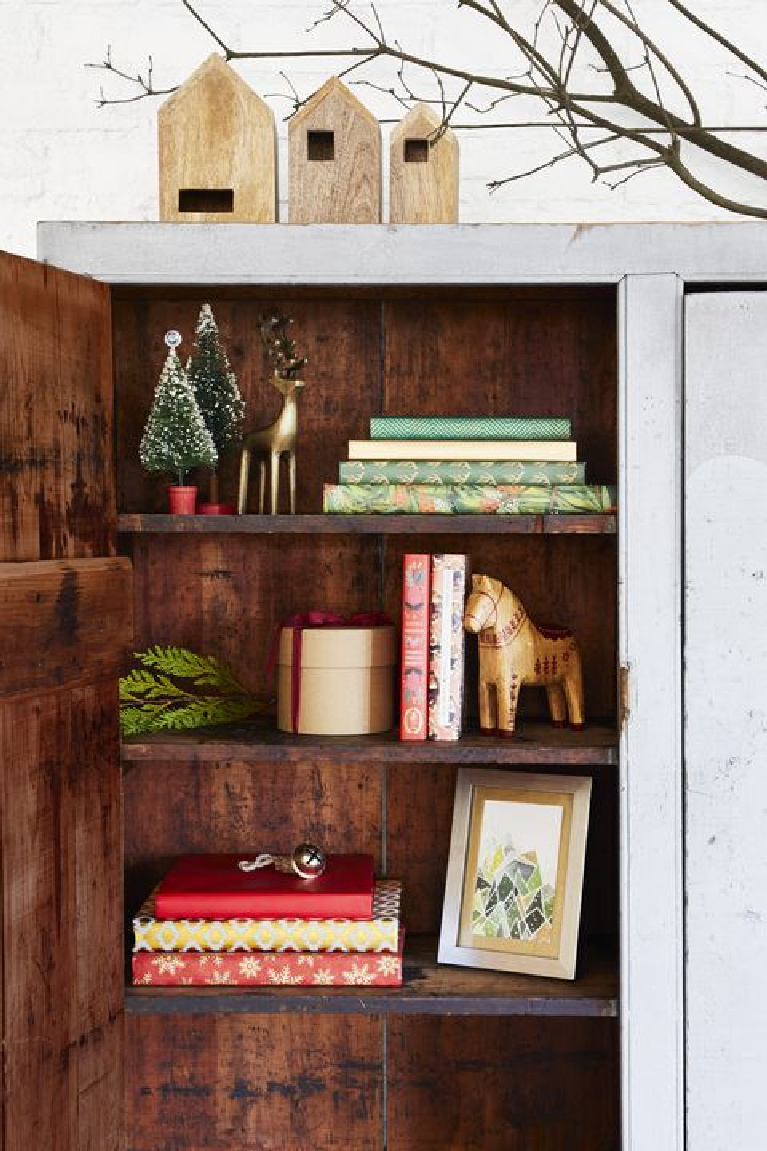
537, 744
429, 988
131, 524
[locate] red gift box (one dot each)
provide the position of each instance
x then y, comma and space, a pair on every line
214, 887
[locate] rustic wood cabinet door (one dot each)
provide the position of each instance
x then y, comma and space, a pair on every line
65, 629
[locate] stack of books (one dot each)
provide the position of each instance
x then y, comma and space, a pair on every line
210, 923
499, 465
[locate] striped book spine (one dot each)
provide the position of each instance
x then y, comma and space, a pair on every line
470, 428
414, 665
467, 499
486, 472
462, 450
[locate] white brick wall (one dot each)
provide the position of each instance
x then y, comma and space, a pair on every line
61, 157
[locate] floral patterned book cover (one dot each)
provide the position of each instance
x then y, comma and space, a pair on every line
379, 933
290, 969
449, 580
467, 499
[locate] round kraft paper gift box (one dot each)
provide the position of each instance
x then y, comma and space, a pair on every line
345, 682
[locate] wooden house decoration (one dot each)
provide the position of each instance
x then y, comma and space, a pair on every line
217, 150
334, 160
423, 170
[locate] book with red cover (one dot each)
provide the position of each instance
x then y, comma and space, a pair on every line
214, 887
414, 668
298, 969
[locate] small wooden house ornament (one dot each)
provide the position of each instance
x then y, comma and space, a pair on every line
334, 160
218, 150
423, 170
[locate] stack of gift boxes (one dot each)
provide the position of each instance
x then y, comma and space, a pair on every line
211, 923
499, 465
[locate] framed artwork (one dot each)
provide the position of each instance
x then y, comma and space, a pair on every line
515, 872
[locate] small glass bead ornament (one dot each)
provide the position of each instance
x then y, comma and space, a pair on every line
172, 338
306, 860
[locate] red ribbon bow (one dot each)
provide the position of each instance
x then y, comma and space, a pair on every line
311, 619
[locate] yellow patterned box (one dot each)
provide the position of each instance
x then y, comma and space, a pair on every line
353, 935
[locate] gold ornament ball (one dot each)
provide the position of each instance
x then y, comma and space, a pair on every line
309, 860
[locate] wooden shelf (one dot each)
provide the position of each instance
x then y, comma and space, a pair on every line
368, 525
428, 989
537, 744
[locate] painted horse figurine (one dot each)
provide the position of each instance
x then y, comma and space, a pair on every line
514, 652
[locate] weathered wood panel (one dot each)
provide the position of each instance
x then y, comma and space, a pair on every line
62, 914
56, 482
726, 719
228, 1083
340, 337
225, 596
502, 1085
52, 617
520, 351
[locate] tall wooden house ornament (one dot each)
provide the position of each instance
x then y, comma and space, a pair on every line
423, 170
218, 150
334, 160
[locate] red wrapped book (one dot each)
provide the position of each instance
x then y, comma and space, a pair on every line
297, 968
414, 704
214, 887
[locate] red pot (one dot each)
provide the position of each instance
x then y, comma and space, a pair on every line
216, 510
182, 500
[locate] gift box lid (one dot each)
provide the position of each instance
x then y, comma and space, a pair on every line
214, 887
341, 646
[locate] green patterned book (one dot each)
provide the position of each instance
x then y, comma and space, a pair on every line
488, 472
470, 428
468, 499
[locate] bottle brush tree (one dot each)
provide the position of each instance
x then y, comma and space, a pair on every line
175, 437
215, 388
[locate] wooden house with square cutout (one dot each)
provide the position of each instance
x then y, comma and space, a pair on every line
217, 150
423, 170
334, 160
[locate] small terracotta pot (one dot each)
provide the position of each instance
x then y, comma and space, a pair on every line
215, 510
182, 500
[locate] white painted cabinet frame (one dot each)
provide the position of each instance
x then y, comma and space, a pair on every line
649, 264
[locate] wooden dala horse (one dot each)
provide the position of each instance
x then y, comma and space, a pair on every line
514, 652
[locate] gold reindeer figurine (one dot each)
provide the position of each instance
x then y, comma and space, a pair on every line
514, 652
277, 439
273, 441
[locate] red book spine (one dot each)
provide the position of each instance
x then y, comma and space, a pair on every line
297, 969
414, 698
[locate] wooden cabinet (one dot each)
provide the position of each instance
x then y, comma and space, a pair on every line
456, 1059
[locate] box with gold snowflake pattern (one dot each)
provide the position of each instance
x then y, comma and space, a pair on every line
378, 934
291, 969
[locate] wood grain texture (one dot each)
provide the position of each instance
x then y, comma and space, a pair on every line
502, 1085
60, 833
179, 808
64, 622
340, 336
534, 743
347, 188
367, 525
216, 133
423, 170
228, 1083
56, 481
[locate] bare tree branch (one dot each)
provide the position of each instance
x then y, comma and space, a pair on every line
626, 102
